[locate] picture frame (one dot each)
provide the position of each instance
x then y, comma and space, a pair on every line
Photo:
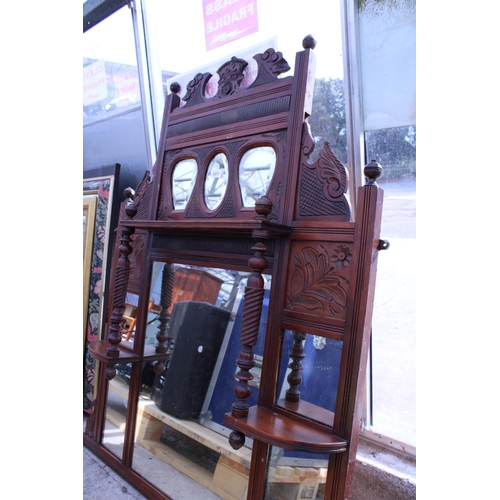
100, 184
89, 216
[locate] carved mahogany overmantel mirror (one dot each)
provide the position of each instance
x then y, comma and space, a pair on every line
242, 298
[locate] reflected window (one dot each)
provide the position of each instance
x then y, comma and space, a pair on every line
255, 173
216, 181
183, 181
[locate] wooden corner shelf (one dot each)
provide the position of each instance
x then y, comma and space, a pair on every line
278, 430
99, 350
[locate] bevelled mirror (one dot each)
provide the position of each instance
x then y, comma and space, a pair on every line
256, 170
216, 181
183, 181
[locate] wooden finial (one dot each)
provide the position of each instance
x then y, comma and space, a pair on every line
263, 207
175, 87
372, 171
309, 42
130, 208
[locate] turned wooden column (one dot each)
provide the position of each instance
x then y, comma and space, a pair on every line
294, 378
167, 286
121, 280
252, 309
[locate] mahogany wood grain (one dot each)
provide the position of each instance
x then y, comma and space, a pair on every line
275, 429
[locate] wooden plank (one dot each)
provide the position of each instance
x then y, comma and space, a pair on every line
115, 417
230, 479
200, 434
186, 467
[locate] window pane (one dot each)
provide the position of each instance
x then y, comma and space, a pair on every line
110, 77
394, 316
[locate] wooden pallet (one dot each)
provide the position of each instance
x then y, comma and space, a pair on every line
230, 478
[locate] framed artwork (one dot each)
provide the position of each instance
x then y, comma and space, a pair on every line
99, 185
89, 213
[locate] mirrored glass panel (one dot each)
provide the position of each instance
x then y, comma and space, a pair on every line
179, 432
255, 173
216, 181
116, 410
183, 181
310, 375
300, 476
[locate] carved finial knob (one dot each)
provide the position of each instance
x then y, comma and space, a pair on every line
309, 42
129, 193
110, 372
263, 206
130, 208
175, 87
159, 367
373, 171
236, 440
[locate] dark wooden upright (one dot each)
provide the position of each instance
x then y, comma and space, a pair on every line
300, 230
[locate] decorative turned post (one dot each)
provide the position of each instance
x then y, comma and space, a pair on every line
294, 378
167, 285
121, 283
254, 295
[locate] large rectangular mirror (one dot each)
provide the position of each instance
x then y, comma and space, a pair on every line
180, 410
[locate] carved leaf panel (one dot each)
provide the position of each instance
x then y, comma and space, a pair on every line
318, 278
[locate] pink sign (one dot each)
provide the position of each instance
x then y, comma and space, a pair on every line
94, 83
228, 20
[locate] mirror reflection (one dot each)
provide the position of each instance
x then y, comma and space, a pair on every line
310, 364
294, 478
256, 170
183, 181
216, 181
116, 410
179, 420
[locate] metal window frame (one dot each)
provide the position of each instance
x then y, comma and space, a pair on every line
94, 11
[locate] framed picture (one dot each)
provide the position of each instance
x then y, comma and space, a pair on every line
89, 213
100, 216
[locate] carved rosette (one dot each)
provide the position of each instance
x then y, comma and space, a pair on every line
319, 280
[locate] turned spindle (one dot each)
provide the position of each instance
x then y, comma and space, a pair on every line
121, 279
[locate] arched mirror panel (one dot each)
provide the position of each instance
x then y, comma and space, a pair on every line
256, 171
216, 181
183, 181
